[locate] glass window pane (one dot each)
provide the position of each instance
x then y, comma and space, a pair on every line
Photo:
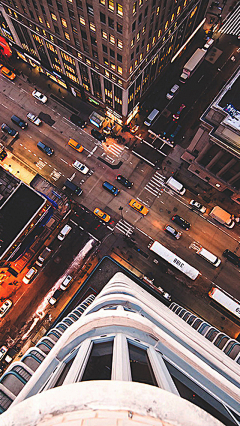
140, 366
99, 366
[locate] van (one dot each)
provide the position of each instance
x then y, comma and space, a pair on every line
151, 117
64, 232
43, 256
73, 187
110, 188
75, 145
19, 122
176, 186
66, 282
209, 257
53, 299
44, 148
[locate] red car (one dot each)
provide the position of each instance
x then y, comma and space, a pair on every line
177, 115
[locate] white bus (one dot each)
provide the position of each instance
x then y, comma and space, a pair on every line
174, 260
224, 299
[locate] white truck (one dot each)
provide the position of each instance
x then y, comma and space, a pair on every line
192, 64
222, 216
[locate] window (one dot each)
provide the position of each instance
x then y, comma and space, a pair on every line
150, 34
112, 53
143, 42
43, 10
95, 54
67, 36
56, 29
119, 57
111, 23
140, 2
64, 22
144, 29
137, 50
145, 12
119, 28
133, 26
134, 7
59, 6
79, 4
99, 365
102, 18
141, 369
84, 35
82, 20
40, 20
90, 9
102, 2
119, 44
138, 36
140, 19
105, 60
104, 34
111, 5
92, 27
111, 39
113, 66
93, 41
104, 48
119, 9
74, 29
132, 42
119, 69
53, 17
132, 56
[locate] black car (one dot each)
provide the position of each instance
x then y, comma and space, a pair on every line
125, 182
9, 130
97, 135
181, 222
19, 122
232, 257
75, 119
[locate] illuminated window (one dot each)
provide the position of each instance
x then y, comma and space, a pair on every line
166, 25
53, 17
140, 2
185, 3
130, 69
119, 69
134, 7
113, 66
141, 56
179, 10
144, 29
82, 20
92, 26
138, 36
67, 36
119, 9
148, 46
193, 12
120, 44
107, 73
44, 33
120, 82
111, 39
158, 9
135, 63
132, 42
48, 25
159, 33
88, 62
64, 22
51, 37
104, 35
40, 20
37, 29
111, 5
105, 61
154, 40
102, 2
172, 18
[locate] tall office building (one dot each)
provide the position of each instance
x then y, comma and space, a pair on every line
127, 359
106, 51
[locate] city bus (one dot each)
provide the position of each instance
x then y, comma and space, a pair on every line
226, 300
174, 260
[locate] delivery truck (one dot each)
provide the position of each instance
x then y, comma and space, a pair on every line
192, 64
222, 217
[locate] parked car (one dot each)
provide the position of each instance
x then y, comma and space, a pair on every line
80, 167
232, 257
54, 298
78, 121
172, 231
7, 73
181, 222
177, 115
102, 215
97, 135
172, 92
124, 181
66, 282
196, 205
138, 207
39, 96
3, 351
34, 119
5, 306
9, 130
19, 122
30, 275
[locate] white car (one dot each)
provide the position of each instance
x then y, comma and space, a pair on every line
81, 167
39, 96
34, 119
3, 351
5, 307
66, 282
197, 206
172, 92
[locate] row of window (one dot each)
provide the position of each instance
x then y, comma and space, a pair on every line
112, 6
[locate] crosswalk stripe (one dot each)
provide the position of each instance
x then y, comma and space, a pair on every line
232, 23
124, 227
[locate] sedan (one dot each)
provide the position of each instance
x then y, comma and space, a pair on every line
125, 182
102, 215
177, 115
75, 119
3, 351
97, 135
232, 257
138, 207
181, 222
39, 96
197, 206
5, 307
9, 130
7, 73
34, 119
81, 167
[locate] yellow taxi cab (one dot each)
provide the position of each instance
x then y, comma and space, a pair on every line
138, 207
75, 145
7, 73
102, 215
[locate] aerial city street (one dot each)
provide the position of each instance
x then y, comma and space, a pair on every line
115, 159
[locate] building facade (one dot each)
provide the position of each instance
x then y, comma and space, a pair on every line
214, 153
106, 51
123, 353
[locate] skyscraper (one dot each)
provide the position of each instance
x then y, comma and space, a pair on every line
106, 51
128, 357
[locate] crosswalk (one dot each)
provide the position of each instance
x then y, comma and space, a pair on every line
232, 23
124, 227
114, 149
155, 185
